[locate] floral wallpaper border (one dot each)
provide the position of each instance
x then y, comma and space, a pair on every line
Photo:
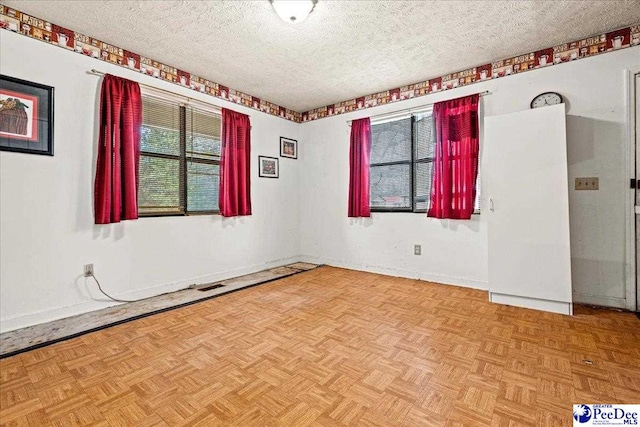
19, 22
30, 26
566, 52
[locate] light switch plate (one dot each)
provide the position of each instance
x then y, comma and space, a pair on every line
592, 183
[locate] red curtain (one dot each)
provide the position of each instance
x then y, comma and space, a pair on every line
359, 155
455, 166
235, 179
116, 185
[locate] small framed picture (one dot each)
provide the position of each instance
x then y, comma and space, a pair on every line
268, 167
288, 148
26, 116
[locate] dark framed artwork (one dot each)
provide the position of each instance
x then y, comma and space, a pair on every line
26, 116
288, 148
268, 167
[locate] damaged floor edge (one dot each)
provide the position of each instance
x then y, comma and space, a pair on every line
33, 337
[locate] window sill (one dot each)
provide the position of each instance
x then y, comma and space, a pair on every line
202, 213
156, 215
399, 210
476, 213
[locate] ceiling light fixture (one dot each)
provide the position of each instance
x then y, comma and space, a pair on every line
293, 11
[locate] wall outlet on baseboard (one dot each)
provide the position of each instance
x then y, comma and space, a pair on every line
417, 249
88, 270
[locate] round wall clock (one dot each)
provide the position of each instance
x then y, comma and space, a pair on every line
546, 99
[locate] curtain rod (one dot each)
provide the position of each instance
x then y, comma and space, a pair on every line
100, 73
417, 108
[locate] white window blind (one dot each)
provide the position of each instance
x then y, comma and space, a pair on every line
179, 158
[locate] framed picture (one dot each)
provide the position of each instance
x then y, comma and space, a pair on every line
26, 116
268, 167
288, 148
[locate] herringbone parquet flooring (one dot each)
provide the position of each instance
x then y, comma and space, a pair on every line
331, 347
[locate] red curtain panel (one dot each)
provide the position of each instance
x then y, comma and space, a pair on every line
359, 155
116, 184
235, 171
455, 166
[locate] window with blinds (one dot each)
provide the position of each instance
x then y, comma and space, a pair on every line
390, 178
179, 159
203, 160
402, 152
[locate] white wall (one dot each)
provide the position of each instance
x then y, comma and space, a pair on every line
456, 251
46, 207
46, 204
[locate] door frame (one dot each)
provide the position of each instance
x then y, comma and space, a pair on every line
632, 295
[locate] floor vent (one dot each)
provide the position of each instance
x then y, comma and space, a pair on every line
208, 288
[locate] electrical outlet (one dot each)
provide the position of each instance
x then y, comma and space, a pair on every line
88, 270
417, 249
587, 183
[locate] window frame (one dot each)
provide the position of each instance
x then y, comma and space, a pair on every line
183, 158
409, 162
413, 167
416, 161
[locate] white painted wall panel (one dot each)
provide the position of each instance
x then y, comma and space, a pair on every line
456, 251
46, 220
46, 207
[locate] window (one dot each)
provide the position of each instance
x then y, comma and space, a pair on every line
402, 152
391, 160
179, 159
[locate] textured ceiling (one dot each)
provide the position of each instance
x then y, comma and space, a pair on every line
345, 49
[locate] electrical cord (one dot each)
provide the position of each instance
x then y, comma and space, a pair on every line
106, 294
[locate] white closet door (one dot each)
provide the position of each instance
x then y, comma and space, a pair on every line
528, 212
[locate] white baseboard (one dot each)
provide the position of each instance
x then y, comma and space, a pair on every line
24, 320
559, 307
600, 301
428, 277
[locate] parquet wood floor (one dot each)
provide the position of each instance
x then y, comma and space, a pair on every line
331, 347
